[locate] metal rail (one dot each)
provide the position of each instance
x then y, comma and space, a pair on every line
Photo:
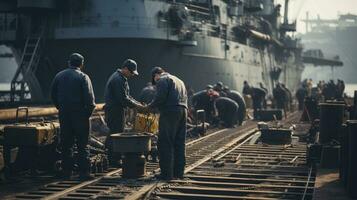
113, 183
218, 146
245, 171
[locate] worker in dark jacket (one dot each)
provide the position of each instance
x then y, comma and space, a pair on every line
280, 97
171, 100
266, 92
219, 88
258, 97
73, 96
117, 98
147, 94
301, 93
246, 88
202, 101
238, 98
289, 97
227, 111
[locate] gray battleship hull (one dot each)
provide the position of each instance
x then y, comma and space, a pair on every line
104, 56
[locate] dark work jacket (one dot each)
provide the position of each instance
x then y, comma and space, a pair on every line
280, 94
72, 91
147, 94
117, 94
200, 100
238, 98
258, 96
226, 106
301, 93
170, 95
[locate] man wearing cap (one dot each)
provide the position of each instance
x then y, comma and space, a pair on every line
73, 96
219, 88
201, 101
171, 100
117, 98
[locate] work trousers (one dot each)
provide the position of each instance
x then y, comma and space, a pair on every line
229, 117
74, 130
257, 105
301, 104
115, 119
171, 143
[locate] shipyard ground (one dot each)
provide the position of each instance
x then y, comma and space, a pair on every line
224, 164
328, 186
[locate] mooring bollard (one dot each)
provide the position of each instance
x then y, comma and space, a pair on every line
331, 119
352, 158
344, 151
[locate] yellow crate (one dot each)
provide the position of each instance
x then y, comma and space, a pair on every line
147, 123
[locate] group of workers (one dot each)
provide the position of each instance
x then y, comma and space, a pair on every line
73, 96
220, 104
322, 91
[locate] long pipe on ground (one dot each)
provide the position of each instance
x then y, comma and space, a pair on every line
10, 114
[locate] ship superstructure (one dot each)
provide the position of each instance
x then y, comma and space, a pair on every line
201, 41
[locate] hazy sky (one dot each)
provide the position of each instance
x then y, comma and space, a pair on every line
325, 8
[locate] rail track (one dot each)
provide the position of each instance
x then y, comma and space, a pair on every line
200, 152
244, 170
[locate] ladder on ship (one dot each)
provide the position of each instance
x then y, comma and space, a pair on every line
25, 85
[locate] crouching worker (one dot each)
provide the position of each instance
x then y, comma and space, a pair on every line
227, 111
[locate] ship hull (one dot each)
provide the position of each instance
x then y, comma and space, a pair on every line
196, 66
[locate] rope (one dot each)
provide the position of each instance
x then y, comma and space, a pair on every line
307, 184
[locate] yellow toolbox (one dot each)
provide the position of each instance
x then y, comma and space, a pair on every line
148, 122
34, 134
30, 134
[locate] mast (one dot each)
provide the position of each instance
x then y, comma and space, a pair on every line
286, 11
307, 22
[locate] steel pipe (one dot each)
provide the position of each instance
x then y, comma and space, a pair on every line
10, 114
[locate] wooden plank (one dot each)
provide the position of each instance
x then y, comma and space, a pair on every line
234, 185
245, 180
176, 195
234, 192
230, 174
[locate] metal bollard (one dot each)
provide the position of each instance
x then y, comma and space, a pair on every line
344, 155
352, 165
354, 115
331, 119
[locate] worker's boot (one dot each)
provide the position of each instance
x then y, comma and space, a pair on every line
85, 176
64, 175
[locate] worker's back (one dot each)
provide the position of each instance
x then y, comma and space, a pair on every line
72, 91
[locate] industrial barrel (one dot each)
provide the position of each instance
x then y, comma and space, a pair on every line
352, 158
344, 152
331, 119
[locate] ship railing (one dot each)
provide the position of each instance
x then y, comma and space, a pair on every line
111, 21
198, 26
